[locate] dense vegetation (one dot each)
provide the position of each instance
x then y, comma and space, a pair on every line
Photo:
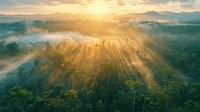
55, 84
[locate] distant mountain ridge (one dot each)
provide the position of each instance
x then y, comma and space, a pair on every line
147, 16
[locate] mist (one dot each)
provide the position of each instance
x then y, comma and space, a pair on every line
107, 59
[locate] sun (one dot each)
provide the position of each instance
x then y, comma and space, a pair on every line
98, 7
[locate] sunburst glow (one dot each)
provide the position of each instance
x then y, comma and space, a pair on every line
118, 47
98, 7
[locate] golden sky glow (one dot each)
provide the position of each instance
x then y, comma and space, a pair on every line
96, 6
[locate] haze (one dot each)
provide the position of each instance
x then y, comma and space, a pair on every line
89, 6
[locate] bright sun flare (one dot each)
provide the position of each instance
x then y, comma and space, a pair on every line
98, 7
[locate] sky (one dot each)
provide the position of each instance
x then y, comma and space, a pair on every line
96, 6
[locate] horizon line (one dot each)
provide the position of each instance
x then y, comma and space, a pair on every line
97, 14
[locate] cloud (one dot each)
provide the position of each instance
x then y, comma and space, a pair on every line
31, 2
183, 4
188, 4
120, 2
167, 1
15, 5
80, 6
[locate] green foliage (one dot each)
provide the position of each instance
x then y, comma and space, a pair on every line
100, 106
157, 102
18, 99
12, 47
105, 89
110, 93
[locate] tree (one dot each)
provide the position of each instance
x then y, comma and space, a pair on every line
12, 47
157, 102
99, 106
122, 103
71, 99
18, 99
2, 44
21, 70
191, 106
